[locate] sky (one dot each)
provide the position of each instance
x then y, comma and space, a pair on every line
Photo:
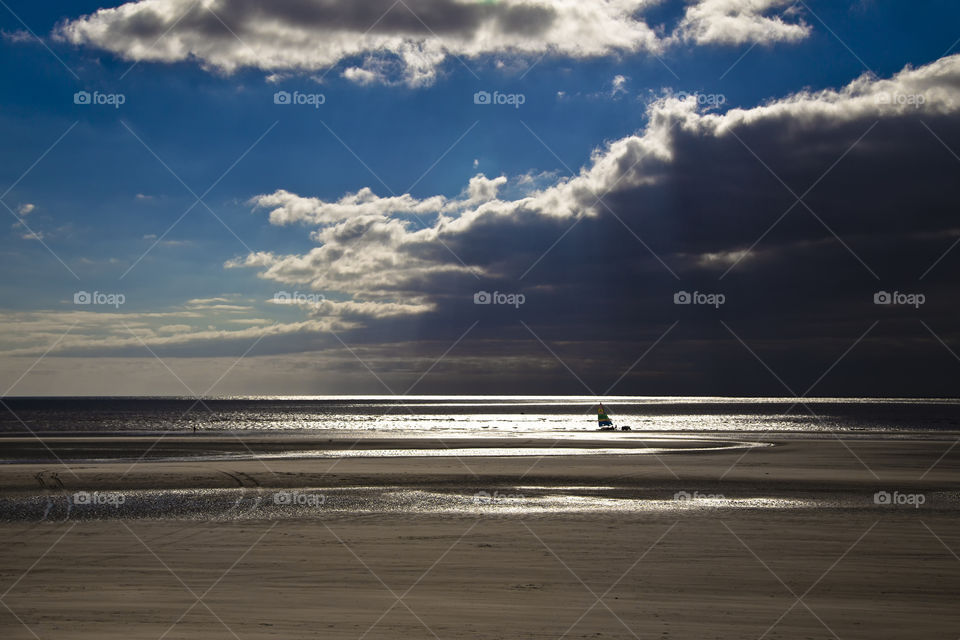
627, 197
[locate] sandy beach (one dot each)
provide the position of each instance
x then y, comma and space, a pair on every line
779, 541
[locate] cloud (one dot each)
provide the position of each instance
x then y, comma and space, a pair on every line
407, 40
363, 76
693, 193
369, 309
26, 209
369, 246
373, 250
120, 333
174, 328
287, 208
379, 41
736, 22
201, 326
19, 36
483, 189
227, 302
618, 86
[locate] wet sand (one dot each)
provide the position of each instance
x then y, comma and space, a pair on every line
162, 447
403, 548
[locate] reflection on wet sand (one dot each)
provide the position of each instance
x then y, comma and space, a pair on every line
162, 448
322, 503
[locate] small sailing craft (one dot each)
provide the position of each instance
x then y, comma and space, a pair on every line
605, 423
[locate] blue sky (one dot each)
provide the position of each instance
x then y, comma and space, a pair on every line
104, 201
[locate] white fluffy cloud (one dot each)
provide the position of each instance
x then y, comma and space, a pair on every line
370, 246
734, 22
383, 41
287, 208
417, 35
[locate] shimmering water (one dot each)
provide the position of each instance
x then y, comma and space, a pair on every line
477, 415
313, 503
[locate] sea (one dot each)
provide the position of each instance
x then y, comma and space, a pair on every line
475, 415
568, 424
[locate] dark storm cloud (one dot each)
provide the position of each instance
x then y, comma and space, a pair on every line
699, 190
